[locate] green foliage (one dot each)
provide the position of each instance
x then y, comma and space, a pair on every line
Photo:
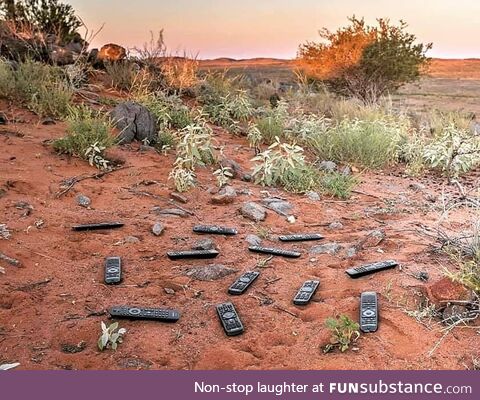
338, 185
88, 136
183, 179
169, 111
272, 122
229, 110
111, 336
453, 151
223, 175
371, 144
365, 61
194, 145
42, 88
121, 74
344, 332
45, 16
284, 165
254, 136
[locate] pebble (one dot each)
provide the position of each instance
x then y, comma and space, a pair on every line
158, 229
83, 201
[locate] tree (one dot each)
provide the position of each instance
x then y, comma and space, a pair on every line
364, 61
49, 17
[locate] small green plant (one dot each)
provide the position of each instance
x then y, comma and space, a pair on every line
194, 145
121, 74
88, 136
230, 109
169, 111
344, 331
111, 336
338, 184
454, 151
272, 122
183, 178
285, 165
254, 136
223, 175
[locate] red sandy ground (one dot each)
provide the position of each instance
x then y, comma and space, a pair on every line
36, 320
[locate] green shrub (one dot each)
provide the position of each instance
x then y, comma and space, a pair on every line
230, 109
42, 88
371, 144
364, 61
88, 136
338, 185
194, 145
284, 165
121, 74
169, 111
453, 151
272, 122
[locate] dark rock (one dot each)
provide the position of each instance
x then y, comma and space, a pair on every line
48, 121
73, 348
280, 206
83, 201
327, 248
253, 211
235, 167
157, 229
3, 119
253, 240
61, 56
204, 244
209, 272
247, 178
135, 122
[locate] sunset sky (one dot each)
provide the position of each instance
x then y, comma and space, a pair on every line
275, 28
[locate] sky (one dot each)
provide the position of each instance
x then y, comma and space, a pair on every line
274, 28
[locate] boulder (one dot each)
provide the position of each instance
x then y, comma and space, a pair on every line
135, 122
112, 52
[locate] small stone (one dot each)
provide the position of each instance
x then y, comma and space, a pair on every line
417, 187
280, 206
373, 239
423, 276
346, 171
291, 219
12, 261
209, 272
158, 229
178, 197
176, 212
234, 167
226, 195
253, 211
327, 248
351, 252
48, 121
204, 244
314, 196
4, 232
169, 290
432, 198
83, 201
253, 240
131, 240
454, 313
247, 178
144, 148
335, 225
327, 166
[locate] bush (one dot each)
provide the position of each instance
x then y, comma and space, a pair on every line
42, 88
88, 136
338, 185
47, 17
284, 165
194, 146
272, 122
364, 61
121, 74
371, 144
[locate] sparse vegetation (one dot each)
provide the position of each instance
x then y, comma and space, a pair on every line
337, 184
344, 331
42, 88
88, 136
223, 175
111, 336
